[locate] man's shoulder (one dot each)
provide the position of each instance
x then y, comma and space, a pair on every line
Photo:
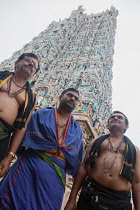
48, 108
75, 121
102, 137
5, 73
129, 141
43, 112
99, 139
45, 109
76, 125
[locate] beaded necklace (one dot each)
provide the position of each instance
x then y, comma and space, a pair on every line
114, 151
61, 126
12, 95
17, 84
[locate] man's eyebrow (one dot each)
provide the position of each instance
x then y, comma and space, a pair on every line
116, 116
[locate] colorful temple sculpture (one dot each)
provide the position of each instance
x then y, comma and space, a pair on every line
76, 52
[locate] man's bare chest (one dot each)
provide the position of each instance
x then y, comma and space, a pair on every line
18, 99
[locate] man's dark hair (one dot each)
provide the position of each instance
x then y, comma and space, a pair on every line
21, 57
69, 89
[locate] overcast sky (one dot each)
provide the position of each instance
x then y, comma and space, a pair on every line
22, 20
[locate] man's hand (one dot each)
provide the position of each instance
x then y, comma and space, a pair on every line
70, 206
5, 165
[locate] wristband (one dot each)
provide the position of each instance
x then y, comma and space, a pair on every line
13, 155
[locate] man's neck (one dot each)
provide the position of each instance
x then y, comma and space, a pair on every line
63, 113
116, 135
19, 80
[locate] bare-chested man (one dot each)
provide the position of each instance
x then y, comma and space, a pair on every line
54, 141
17, 102
111, 168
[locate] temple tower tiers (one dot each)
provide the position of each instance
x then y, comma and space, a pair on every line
76, 52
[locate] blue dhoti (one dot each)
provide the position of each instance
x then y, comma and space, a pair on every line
44, 190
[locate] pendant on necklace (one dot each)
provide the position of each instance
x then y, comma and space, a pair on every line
61, 126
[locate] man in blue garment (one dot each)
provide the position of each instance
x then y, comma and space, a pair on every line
54, 141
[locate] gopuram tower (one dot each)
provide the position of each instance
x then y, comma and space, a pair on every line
76, 52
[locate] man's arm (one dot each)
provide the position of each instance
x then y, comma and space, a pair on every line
136, 182
78, 181
16, 140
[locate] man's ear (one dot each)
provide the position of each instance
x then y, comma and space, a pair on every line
107, 126
16, 63
126, 127
60, 97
